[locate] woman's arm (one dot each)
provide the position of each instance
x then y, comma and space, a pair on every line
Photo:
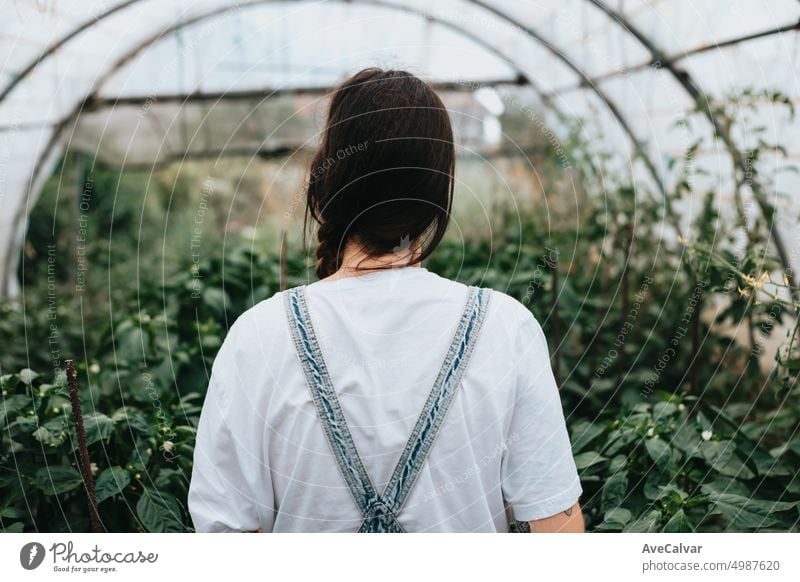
569, 521
539, 478
221, 493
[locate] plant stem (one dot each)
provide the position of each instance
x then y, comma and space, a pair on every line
695, 337
83, 450
556, 326
284, 276
625, 291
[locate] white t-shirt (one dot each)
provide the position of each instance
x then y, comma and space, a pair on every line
261, 460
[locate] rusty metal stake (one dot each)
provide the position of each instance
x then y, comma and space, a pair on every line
83, 450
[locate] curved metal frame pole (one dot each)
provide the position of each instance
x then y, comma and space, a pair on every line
535, 36
639, 148
588, 83
129, 55
721, 129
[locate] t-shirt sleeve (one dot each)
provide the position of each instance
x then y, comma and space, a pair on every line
538, 470
220, 491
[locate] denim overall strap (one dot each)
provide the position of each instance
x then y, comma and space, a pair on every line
326, 402
380, 511
441, 396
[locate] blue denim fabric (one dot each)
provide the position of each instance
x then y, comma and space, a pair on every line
380, 511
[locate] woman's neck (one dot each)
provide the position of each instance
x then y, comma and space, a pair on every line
356, 262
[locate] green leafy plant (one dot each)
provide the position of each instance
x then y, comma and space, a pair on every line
681, 419
669, 466
141, 459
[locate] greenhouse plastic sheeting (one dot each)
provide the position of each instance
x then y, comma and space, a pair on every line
90, 75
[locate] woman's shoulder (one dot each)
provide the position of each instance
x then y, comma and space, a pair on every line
505, 313
266, 320
503, 308
258, 327
509, 311
265, 309
509, 305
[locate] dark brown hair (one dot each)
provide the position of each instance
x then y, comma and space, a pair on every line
383, 174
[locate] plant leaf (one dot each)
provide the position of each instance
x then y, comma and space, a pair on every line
57, 479
98, 427
110, 482
615, 519
584, 433
12, 513
678, 523
645, 523
159, 511
747, 513
588, 459
614, 490
720, 455
660, 452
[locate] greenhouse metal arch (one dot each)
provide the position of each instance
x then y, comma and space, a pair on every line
556, 71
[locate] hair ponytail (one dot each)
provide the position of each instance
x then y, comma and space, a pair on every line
383, 173
330, 249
